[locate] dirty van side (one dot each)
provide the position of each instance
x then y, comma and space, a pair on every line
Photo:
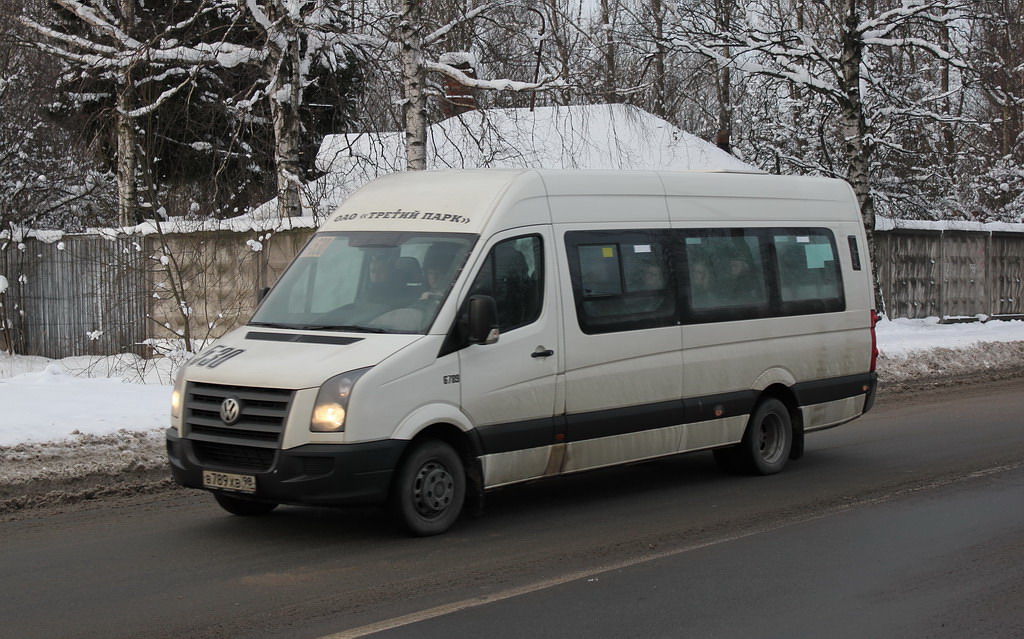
447, 333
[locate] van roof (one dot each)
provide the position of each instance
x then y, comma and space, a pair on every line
465, 200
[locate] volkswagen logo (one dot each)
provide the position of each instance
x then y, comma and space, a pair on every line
230, 410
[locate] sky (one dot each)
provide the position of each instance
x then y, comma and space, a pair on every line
43, 400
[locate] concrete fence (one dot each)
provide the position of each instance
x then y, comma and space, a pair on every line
950, 274
88, 295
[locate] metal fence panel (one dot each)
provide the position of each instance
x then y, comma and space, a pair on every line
912, 264
79, 296
1006, 258
964, 258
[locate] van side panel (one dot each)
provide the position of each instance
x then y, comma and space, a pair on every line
622, 389
621, 402
734, 356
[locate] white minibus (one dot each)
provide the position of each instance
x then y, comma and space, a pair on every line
446, 333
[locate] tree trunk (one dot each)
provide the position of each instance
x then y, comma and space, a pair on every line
724, 19
414, 107
660, 91
565, 56
611, 94
127, 200
858, 146
285, 100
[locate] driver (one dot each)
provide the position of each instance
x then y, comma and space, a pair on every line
435, 275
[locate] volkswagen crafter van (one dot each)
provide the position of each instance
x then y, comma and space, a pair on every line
446, 333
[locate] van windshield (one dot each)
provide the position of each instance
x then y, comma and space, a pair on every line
374, 282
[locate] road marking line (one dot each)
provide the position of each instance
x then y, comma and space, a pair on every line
475, 602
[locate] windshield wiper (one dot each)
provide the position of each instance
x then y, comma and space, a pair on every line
352, 328
272, 325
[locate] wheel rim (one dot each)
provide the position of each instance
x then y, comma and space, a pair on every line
771, 441
433, 489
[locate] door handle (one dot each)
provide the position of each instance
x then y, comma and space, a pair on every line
542, 352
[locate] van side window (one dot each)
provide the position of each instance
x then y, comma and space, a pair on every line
809, 271
633, 279
726, 272
622, 280
513, 274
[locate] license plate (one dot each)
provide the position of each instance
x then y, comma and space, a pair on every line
229, 481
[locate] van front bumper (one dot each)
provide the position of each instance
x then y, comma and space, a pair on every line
310, 475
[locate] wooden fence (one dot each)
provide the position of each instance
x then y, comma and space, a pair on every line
88, 295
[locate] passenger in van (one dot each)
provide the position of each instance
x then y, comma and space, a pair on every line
391, 280
651, 278
649, 283
739, 285
380, 285
435, 274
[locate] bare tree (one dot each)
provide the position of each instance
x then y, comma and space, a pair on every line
280, 40
824, 49
420, 54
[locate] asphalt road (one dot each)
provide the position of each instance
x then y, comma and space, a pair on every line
906, 523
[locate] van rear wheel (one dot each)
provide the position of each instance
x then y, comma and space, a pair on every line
430, 489
768, 439
243, 507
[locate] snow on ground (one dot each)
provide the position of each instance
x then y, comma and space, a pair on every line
51, 405
83, 421
900, 338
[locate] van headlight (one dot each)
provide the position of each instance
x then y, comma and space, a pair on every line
178, 394
331, 406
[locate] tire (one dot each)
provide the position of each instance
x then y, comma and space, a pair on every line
768, 439
429, 489
243, 507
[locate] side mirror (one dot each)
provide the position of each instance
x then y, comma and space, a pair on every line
260, 294
483, 320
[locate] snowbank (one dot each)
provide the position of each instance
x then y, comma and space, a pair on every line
900, 338
51, 405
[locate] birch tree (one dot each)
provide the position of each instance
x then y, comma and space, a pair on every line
419, 51
280, 40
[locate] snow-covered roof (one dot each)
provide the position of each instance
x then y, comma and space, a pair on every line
604, 136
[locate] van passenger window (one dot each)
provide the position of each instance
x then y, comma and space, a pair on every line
809, 272
621, 279
725, 271
513, 274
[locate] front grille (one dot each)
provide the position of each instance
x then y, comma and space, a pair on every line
261, 420
233, 457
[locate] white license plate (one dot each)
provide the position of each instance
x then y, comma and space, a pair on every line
229, 481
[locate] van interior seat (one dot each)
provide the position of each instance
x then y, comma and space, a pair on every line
408, 273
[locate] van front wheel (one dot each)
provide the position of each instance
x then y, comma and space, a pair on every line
430, 488
767, 440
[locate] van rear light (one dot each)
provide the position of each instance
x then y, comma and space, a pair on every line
874, 340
